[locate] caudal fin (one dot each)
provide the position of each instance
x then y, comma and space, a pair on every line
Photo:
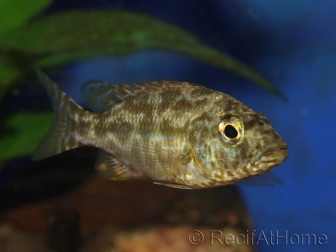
62, 135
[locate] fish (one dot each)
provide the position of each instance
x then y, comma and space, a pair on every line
176, 134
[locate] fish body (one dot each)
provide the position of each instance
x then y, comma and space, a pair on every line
177, 134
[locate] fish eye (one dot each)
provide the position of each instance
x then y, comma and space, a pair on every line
230, 129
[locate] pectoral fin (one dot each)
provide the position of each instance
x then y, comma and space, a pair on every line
110, 168
268, 179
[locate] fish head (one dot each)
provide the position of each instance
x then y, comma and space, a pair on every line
245, 144
269, 147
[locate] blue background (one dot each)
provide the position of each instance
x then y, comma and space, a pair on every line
291, 42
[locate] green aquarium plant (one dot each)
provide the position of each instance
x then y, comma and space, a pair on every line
67, 37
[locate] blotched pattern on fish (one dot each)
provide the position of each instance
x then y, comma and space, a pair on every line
177, 134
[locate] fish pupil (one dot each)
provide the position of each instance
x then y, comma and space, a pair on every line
230, 131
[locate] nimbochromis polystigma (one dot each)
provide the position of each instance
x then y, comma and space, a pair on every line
177, 134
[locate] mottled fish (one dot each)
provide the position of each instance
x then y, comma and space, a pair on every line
177, 134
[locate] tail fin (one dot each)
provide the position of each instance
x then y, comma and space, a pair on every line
62, 134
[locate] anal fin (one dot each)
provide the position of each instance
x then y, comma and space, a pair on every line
110, 168
172, 185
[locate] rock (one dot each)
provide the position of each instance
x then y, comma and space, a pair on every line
130, 216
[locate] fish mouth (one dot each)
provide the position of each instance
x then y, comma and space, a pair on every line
270, 159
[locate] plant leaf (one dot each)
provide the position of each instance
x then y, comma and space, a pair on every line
14, 13
75, 35
8, 73
25, 131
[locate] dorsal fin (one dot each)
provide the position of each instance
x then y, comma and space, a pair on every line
100, 95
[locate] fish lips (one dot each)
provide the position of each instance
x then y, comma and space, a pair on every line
271, 158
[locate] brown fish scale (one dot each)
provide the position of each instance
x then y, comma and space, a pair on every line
164, 131
150, 133
147, 122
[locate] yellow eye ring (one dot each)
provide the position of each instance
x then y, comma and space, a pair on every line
230, 129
